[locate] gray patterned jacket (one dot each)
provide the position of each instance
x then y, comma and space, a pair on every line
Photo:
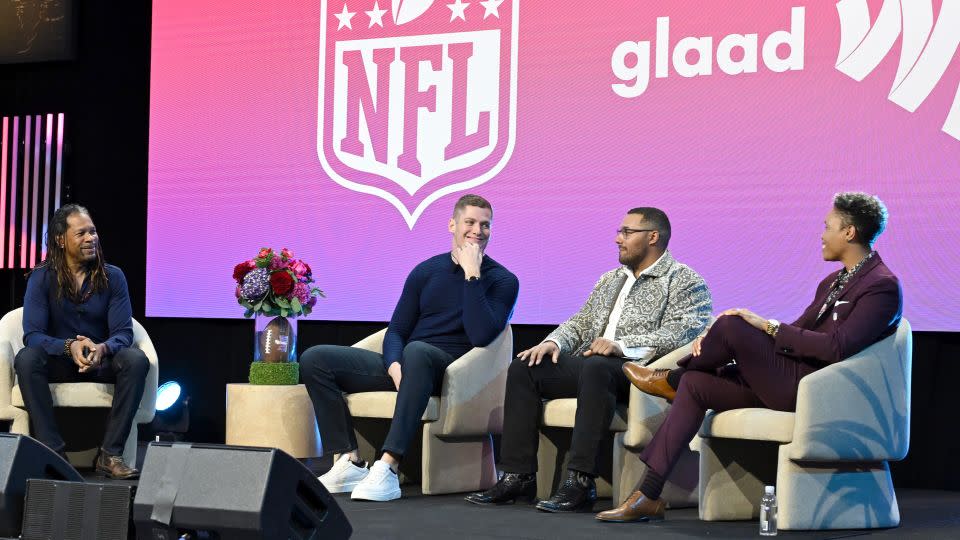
668, 306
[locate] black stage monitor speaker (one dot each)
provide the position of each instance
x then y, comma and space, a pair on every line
84, 511
23, 458
233, 492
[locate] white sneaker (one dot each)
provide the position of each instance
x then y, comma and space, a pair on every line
382, 484
343, 476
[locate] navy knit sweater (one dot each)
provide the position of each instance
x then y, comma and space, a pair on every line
440, 307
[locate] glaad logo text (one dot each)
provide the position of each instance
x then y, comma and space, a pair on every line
632, 61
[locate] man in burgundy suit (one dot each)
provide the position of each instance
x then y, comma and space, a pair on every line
853, 308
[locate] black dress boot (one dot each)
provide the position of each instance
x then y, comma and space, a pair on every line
508, 489
576, 494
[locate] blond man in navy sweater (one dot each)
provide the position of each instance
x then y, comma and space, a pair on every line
450, 303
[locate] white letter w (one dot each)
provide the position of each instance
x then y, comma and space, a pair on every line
924, 55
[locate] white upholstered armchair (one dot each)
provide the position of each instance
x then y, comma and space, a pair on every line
82, 394
829, 460
457, 442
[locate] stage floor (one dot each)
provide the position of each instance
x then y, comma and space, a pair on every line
925, 514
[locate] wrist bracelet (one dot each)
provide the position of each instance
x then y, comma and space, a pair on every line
66, 346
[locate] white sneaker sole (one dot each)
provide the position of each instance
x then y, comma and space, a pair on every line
376, 497
341, 488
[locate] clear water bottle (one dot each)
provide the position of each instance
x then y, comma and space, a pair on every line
768, 512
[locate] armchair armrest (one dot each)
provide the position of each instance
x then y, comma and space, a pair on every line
471, 399
858, 409
148, 403
646, 412
373, 342
7, 374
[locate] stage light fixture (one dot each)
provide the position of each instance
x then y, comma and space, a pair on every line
172, 419
167, 395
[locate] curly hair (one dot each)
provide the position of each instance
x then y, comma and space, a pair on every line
865, 212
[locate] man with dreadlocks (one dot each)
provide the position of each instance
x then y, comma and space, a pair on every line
77, 327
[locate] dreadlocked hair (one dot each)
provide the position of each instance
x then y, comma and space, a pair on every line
57, 257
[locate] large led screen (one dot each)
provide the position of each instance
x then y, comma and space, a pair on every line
346, 130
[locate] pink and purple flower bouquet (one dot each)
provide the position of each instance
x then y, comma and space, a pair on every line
275, 284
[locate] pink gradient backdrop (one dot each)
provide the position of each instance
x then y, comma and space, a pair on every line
744, 165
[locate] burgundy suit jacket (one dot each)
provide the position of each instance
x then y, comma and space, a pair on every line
867, 310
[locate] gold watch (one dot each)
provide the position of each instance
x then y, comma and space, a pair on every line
773, 326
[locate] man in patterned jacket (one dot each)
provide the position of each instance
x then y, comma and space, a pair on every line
647, 307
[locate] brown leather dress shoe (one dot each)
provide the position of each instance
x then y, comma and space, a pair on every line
636, 508
651, 381
114, 467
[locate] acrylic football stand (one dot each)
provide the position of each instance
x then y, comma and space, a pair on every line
273, 411
275, 351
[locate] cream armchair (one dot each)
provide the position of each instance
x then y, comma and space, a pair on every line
829, 460
457, 442
82, 394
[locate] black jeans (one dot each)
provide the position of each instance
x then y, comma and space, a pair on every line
330, 370
597, 382
126, 370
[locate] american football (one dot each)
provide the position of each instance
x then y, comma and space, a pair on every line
275, 341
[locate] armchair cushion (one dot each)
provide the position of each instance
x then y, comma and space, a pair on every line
83, 394
752, 424
562, 412
381, 405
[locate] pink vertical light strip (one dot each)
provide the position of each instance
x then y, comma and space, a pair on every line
46, 187
25, 191
56, 193
34, 204
15, 143
3, 185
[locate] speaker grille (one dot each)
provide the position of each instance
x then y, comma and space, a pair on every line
114, 513
76, 510
37, 522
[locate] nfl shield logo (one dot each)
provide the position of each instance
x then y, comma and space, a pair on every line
417, 97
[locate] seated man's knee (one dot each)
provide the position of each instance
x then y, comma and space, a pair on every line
417, 354
30, 359
594, 371
318, 358
519, 368
729, 323
133, 360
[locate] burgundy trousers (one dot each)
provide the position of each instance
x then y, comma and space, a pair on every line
761, 377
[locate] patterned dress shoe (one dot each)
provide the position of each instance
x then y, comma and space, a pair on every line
650, 381
576, 494
507, 490
636, 508
114, 467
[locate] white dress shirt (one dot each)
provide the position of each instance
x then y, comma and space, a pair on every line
610, 332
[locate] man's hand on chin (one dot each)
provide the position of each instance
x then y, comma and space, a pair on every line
470, 256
